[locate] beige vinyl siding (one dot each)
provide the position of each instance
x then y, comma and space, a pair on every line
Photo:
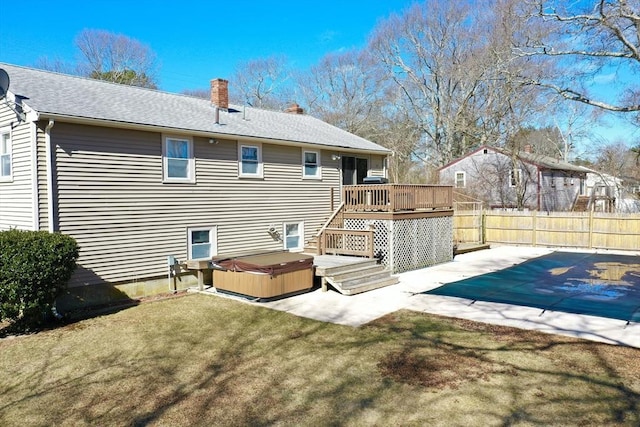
111, 198
16, 196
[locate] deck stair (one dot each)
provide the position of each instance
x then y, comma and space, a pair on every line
581, 204
311, 246
352, 275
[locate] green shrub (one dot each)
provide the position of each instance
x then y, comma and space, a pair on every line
35, 267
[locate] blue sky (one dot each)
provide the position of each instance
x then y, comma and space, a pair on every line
196, 41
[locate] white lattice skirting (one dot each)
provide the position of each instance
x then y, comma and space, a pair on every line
409, 244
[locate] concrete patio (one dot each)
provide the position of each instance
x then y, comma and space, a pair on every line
359, 309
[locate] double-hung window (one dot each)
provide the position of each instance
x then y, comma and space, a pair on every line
311, 164
5, 155
293, 235
201, 242
250, 161
178, 161
515, 177
461, 181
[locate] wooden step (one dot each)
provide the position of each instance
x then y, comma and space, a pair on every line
333, 270
358, 272
357, 276
369, 286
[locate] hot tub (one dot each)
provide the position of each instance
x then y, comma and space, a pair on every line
264, 275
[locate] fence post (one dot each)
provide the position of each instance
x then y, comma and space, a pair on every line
534, 238
591, 229
483, 226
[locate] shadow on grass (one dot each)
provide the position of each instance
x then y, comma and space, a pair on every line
211, 361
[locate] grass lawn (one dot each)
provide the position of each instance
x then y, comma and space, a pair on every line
201, 360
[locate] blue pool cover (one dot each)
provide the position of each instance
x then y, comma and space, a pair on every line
604, 285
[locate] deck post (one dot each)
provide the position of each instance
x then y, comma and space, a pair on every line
323, 284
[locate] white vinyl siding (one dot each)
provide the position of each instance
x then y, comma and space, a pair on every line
112, 200
201, 242
177, 160
250, 161
5, 154
311, 165
293, 236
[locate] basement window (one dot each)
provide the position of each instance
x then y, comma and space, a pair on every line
5, 155
178, 163
293, 235
201, 242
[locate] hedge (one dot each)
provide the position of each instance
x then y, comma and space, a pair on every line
35, 267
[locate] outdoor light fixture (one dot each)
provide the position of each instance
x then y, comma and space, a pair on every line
335, 157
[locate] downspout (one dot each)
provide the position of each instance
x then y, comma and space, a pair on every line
35, 193
49, 163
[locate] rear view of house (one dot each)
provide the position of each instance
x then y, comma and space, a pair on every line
143, 179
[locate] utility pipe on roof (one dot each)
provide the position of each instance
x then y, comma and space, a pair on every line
49, 163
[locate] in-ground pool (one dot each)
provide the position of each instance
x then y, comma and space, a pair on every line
604, 285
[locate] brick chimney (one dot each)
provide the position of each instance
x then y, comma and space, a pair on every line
220, 93
294, 109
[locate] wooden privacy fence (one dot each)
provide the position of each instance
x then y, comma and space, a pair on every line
564, 229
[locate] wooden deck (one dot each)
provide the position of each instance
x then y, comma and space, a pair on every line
396, 197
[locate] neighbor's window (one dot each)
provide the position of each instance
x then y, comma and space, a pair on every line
461, 181
515, 177
5, 155
250, 161
201, 242
293, 235
311, 164
178, 162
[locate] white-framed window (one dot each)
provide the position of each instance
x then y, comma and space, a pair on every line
202, 242
515, 177
293, 236
461, 179
311, 164
250, 160
178, 163
6, 172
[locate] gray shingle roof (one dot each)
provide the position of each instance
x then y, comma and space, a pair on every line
63, 95
550, 163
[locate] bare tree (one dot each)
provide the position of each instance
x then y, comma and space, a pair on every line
454, 65
585, 39
262, 83
345, 90
197, 93
55, 64
116, 58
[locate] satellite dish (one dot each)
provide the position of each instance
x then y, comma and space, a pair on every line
4, 83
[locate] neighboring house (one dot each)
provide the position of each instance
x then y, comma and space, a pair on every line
139, 177
522, 180
630, 196
604, 191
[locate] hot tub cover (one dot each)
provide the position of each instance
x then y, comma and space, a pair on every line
269, 263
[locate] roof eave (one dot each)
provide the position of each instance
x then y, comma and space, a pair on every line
196, 132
